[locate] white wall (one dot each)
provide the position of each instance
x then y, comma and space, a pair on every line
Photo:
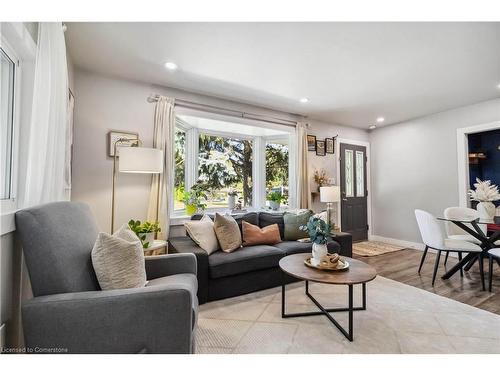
104, 104
324, 130
414, 165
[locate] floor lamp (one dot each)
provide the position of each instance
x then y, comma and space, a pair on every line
135, 159
329, 195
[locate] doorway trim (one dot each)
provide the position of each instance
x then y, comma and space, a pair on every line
368, 179
462, 157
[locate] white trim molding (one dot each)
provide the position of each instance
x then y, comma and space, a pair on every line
406, 244
368, 178
396, 242
463, 159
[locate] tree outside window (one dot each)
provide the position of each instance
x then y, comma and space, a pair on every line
277, 156
225, 164
180, 168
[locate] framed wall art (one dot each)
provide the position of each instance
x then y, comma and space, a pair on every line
330, 145
320, 148
311, 142
113, 136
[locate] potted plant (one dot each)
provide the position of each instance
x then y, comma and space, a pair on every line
145, 231
485, 193
319, 233
320, 178
231, 198
275, 198
193, 199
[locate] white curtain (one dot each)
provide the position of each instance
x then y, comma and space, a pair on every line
47, 161
162, 184
303, 193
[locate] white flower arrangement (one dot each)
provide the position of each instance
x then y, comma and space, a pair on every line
485, 192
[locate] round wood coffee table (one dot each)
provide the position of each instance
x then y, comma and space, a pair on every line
357, 273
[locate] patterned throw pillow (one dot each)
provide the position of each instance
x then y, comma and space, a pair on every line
253, 235
118, 260
202, 232
227, 232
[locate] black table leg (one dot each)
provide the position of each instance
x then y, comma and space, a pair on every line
470, 264
490, 273
481, 270
326, 311
461, 270
459, 265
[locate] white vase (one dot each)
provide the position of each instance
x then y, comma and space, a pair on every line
231, 201
319, 251
274, 205
486, 210
150, 237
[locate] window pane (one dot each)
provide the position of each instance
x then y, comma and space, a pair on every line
180, 168
6, 122
277, 157
349, 174
360, 174
225, 164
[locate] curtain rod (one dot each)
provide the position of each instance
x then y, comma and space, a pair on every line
224, 111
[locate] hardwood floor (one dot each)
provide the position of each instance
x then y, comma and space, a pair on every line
402, 266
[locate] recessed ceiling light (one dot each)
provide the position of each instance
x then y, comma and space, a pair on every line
303, 100
498, 86
371, 127
380, 119
170, 65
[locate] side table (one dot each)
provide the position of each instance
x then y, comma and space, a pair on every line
158, 247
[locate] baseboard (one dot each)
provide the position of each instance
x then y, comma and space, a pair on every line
406, 244
394, 241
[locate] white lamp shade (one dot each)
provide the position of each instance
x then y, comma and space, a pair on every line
329, 194
140, 160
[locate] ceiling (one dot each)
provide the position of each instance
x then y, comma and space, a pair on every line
351, 73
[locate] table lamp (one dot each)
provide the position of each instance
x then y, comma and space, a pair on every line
135, 159
329, 195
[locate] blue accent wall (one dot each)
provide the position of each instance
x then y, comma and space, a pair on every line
488, 169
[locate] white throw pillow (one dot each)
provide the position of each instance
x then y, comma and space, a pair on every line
118, 260
202, 232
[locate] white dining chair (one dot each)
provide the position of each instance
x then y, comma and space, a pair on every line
433, 238
454, 232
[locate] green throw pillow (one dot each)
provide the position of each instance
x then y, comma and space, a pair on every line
293, 220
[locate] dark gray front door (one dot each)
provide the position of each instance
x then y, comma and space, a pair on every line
354, 213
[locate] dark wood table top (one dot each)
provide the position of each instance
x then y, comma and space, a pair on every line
357, 273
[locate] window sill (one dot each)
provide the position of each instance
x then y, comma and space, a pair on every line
179, 219
7, 222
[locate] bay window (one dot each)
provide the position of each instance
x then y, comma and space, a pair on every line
249, 159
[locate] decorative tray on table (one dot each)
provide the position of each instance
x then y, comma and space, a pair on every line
332, 262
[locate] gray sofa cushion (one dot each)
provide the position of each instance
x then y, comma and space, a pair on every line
246, 259
182, 281
294, 247
266, 218
57, 240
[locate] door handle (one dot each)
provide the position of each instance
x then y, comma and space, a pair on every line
344, 199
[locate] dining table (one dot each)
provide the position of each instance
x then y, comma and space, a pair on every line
473, 227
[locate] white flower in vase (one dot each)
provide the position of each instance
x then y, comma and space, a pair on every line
485, 193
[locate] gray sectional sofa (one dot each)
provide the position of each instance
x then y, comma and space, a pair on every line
222, 275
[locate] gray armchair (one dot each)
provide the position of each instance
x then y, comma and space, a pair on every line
69, 312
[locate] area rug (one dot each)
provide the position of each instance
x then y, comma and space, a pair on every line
399, 319
373, 248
